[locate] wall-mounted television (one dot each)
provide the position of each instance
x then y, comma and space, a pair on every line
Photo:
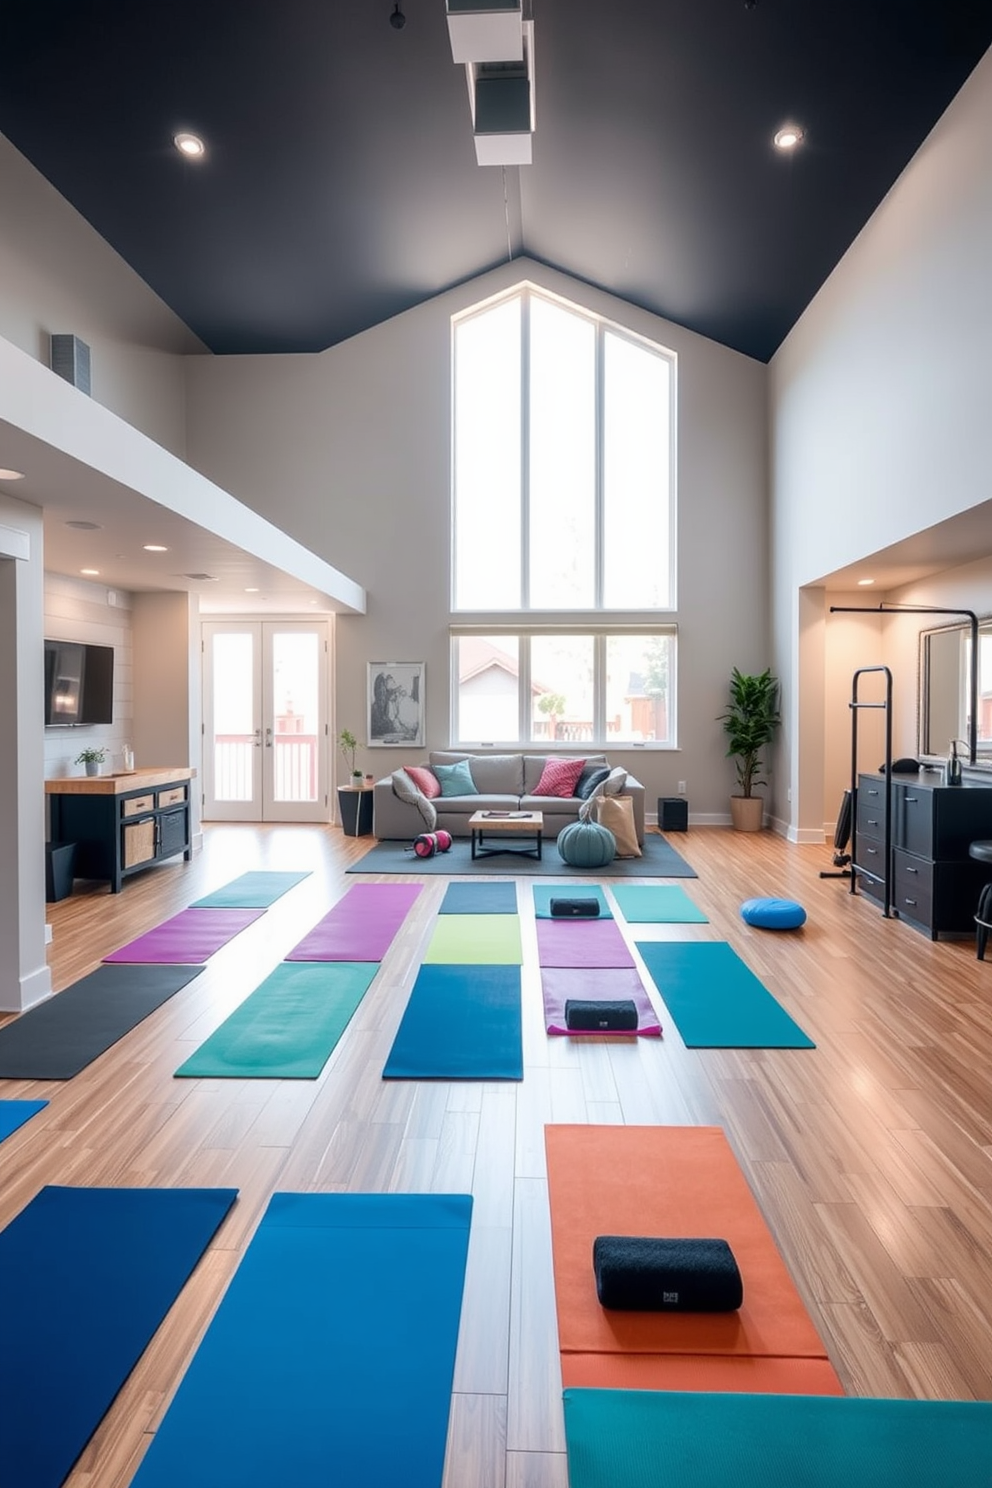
79, 684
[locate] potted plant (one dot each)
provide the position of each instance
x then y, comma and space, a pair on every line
92, 759
750, 723
348, 745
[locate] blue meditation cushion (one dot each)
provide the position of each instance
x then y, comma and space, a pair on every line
773, 914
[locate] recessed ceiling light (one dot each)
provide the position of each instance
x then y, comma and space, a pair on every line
190, 146
11, 474
81, 526
789, 136
90, 572
862, 583
155, 548
251, 591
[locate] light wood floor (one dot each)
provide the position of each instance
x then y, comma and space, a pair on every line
871, 1156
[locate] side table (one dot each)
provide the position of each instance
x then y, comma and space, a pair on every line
355, 809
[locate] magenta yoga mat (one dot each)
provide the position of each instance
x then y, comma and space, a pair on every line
361, 926
608, 984
190, 936
579, 943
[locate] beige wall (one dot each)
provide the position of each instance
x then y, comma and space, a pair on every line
349, 451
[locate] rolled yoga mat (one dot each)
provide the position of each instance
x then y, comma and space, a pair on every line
643, 1438
559, 984
715, 1000
255, 890
60, 1037
644, 1273
545, 894
14, 1113
614, 1016
361, 926
679, 1182
288, 1027
90, 1274
461, 1023
193, 935
332, 1354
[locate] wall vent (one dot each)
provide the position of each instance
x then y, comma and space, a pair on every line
70, 359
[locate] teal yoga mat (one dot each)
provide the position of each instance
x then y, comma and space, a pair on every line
287, 1029
657, 904
715, 1001
461, 1023
330, 1359
668, 1439
544, 893
255, 890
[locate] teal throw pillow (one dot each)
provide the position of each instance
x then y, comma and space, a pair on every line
455, 780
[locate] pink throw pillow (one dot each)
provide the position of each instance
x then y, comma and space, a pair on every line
425, 780
559, 777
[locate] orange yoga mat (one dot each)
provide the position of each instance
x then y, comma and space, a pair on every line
708, 1372
678, 1181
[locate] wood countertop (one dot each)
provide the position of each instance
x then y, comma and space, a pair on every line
118, 784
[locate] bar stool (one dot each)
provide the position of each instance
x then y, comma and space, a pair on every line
982, 851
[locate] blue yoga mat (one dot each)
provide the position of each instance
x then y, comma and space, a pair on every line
643, 1438
461, 1023
255, 890
480, 898
544, 893
715, 1001
14, 1113
331, 1357
89, 1275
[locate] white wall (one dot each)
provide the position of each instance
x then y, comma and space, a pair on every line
58, 275
879, 396
349, 451
76, 610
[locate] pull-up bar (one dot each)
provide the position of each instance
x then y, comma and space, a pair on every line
908, 609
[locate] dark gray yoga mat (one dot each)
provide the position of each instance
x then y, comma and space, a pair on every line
659, 860
58, 1038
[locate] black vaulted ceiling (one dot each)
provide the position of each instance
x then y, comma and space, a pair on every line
340, 185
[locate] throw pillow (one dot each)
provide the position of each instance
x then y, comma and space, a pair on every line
615, 781
587, 782
423, 777
559, 777
617, 814
455, 780
408, 791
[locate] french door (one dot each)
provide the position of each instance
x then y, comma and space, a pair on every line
265, 720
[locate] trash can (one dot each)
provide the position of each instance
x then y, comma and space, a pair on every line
60, 866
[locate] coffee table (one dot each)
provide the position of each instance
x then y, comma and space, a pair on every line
528, 825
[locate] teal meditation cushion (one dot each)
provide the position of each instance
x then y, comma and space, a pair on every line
586, 844
773, 914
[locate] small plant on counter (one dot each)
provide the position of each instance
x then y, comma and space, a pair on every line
91, 756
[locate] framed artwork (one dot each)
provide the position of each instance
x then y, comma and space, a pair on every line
396, 703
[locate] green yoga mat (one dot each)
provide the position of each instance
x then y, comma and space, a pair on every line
715, 1001
288, 1028
657, 904
475, 940
672, 1439
256, 890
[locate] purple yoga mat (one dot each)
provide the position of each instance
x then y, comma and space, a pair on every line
360, 927
581, 943
610, 984
189, 937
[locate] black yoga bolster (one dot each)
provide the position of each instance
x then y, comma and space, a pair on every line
613, 1016
637, 1273
564, 909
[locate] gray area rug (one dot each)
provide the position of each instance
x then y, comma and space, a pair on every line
660, 860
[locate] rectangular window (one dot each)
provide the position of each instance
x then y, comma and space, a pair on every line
565, 688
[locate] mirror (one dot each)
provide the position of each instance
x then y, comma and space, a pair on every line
945, 688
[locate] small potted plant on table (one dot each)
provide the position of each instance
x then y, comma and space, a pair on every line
92, 759
354, 802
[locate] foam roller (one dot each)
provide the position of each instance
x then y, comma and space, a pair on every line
607, 1017
574, 909
637, 1273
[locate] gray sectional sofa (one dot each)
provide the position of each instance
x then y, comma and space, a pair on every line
505, 782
